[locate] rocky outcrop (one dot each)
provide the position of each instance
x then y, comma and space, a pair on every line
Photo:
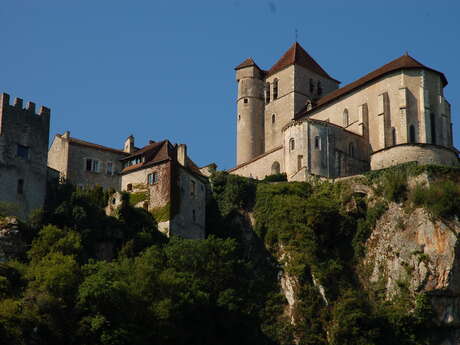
409, 249
11, 244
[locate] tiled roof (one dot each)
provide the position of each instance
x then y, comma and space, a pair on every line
155, 153
247, 63
80, 142
403, 62
298, 56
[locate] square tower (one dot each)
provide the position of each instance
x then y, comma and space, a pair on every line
23, 155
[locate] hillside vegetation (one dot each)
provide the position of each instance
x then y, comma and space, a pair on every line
87, 278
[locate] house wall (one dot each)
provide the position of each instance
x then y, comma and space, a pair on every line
78, 175
23, 126
189, 214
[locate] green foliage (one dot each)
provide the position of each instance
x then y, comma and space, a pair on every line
365, 225
395, 185
137, 197
275, 178
162, 214
441, 199
233, 192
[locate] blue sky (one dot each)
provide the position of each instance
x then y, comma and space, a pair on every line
164, 69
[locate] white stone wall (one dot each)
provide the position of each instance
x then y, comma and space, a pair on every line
420, 153
261, 167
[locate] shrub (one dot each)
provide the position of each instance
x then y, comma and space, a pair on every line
441, 199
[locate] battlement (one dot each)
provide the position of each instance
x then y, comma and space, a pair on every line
18, 105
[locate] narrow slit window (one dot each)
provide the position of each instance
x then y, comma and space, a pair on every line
20, 188
275, 89
393, 136
267, 93
291, 144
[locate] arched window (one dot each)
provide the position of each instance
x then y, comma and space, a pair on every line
393, 136
275, 168
129, 187
346, 119
319, 88
317, 143
275, 89
412, 138
291, 144
273, 118
351, 149
433, 128
267, 93
312, 86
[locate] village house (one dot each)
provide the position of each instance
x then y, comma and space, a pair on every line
159, 177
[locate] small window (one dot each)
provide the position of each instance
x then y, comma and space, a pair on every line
129, 187
312, 86
109, 169
433, 128
275, 89
412, 137
319, 88
239, 117
346, 119
23, 151
114, 201
291, 144
275, 168
245, 101
152, 178
92, 165
20, 186
351, 149
317, 143
192, 188
273, 118
393, 136
267, 93
194, 216
299, 162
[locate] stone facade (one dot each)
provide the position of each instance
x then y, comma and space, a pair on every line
23, 150
82, 163
163, 180
334, 132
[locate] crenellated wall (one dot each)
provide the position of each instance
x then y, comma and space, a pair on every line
23, 154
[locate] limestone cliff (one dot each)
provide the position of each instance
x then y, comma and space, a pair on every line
407, 248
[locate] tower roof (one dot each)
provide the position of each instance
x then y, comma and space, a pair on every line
247, 63
403, 62
296, 55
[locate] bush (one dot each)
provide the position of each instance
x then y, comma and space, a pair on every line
441, 199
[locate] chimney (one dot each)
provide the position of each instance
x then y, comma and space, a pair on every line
129, 144
66, 135
181, 154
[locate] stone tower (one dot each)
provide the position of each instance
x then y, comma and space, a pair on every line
23, 155
250, 114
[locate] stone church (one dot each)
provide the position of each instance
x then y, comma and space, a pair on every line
294, 118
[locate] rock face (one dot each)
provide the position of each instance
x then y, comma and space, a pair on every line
11, 244
412, 250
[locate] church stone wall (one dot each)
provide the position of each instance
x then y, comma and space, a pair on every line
420, 153
383, 100
262, 166
282, 107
